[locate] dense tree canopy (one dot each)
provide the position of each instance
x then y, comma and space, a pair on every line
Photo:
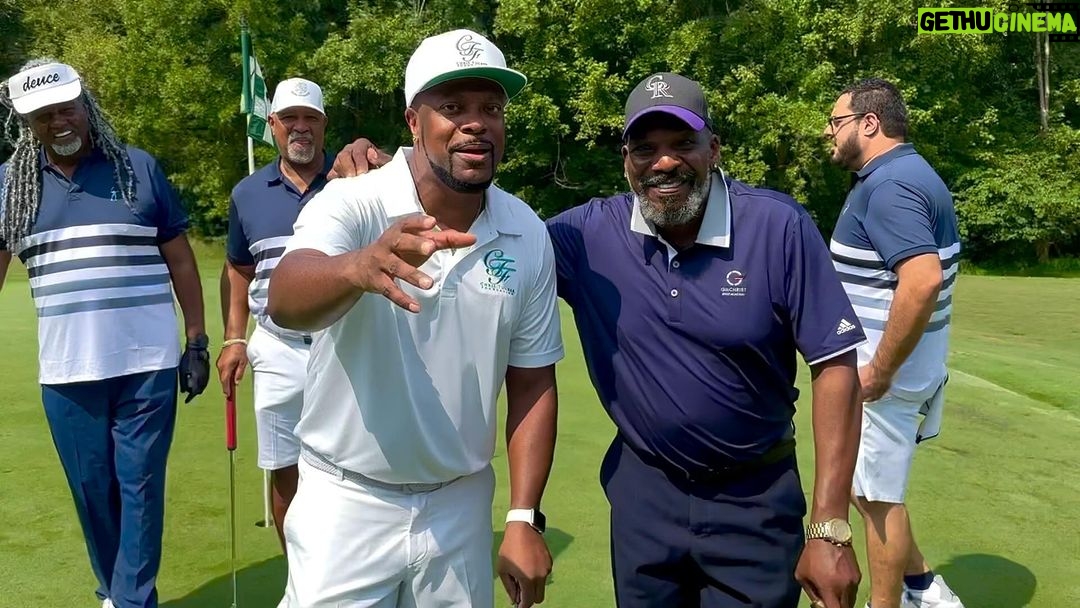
168, 73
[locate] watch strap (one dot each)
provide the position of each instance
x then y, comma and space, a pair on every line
823, 530
529, 516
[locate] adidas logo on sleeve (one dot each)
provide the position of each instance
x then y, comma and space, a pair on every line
844, 327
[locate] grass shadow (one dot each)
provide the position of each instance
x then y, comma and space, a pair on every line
989, 580
259, 585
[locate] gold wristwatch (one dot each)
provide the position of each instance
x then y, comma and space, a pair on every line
836, 531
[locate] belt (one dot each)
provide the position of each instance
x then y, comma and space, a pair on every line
318, 462
718, 473
287, 336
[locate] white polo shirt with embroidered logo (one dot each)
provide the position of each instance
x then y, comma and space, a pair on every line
411, 398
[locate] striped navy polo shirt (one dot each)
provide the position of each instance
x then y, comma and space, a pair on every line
262, 210
100, 284
898, 208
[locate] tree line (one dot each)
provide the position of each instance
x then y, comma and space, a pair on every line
998, 114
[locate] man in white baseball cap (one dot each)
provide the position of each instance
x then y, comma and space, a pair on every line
103, 233
46, 85
429, 289
262, 210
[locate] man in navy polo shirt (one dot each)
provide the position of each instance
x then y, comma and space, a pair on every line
896, 248
263, 208
691, 295
101, 234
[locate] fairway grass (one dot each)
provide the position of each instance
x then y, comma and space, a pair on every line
994, 499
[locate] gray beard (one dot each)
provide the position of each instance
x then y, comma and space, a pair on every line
300, 156
668, 213
68, 149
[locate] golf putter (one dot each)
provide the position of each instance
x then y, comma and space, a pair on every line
230, 444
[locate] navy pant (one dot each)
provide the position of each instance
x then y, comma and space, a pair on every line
676, 544
113, 438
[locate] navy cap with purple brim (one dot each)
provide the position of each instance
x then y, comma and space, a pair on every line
672, 94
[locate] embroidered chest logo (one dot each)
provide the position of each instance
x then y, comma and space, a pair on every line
735, 284
499, 268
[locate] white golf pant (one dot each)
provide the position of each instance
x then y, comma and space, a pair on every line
354, 545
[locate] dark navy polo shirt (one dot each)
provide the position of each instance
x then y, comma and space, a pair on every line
262, 210
898, 207
694, 357
264, 205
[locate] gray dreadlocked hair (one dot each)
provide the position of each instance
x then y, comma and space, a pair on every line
20, 194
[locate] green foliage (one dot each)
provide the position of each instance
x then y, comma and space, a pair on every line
1029, 200
169, 76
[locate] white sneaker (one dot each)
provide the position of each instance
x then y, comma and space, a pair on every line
938, 595
107, 604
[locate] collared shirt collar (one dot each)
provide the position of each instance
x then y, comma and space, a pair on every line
275, 176
715, 225
895, 152
502, 215
96, 154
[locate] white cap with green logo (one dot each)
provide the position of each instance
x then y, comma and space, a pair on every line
458, 54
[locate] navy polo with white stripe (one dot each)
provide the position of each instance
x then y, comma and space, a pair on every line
262, 210
101, 287
898, 208
693, 353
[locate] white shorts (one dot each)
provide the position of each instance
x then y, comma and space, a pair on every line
362, 546
886, 449
279, 369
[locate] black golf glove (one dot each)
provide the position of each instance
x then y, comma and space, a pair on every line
195, 367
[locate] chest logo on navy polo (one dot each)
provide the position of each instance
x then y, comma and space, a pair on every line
736, 284
499, 267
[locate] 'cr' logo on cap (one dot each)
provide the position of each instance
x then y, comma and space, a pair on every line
658, 87
469, 49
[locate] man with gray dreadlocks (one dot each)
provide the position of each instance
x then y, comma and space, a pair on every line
101, 233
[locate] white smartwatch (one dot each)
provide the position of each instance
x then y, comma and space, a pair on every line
533, 517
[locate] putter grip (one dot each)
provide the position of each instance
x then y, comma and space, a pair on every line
230, 422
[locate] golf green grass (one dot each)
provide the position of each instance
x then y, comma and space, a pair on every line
995, 498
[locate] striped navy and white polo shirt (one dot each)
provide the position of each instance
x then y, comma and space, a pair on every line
898, 208
100, 284
262, 210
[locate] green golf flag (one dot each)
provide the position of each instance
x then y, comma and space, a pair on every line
253, 101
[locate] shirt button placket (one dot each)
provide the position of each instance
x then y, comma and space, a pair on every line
675, 293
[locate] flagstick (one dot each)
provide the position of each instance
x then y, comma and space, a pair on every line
268, 517
247, 105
